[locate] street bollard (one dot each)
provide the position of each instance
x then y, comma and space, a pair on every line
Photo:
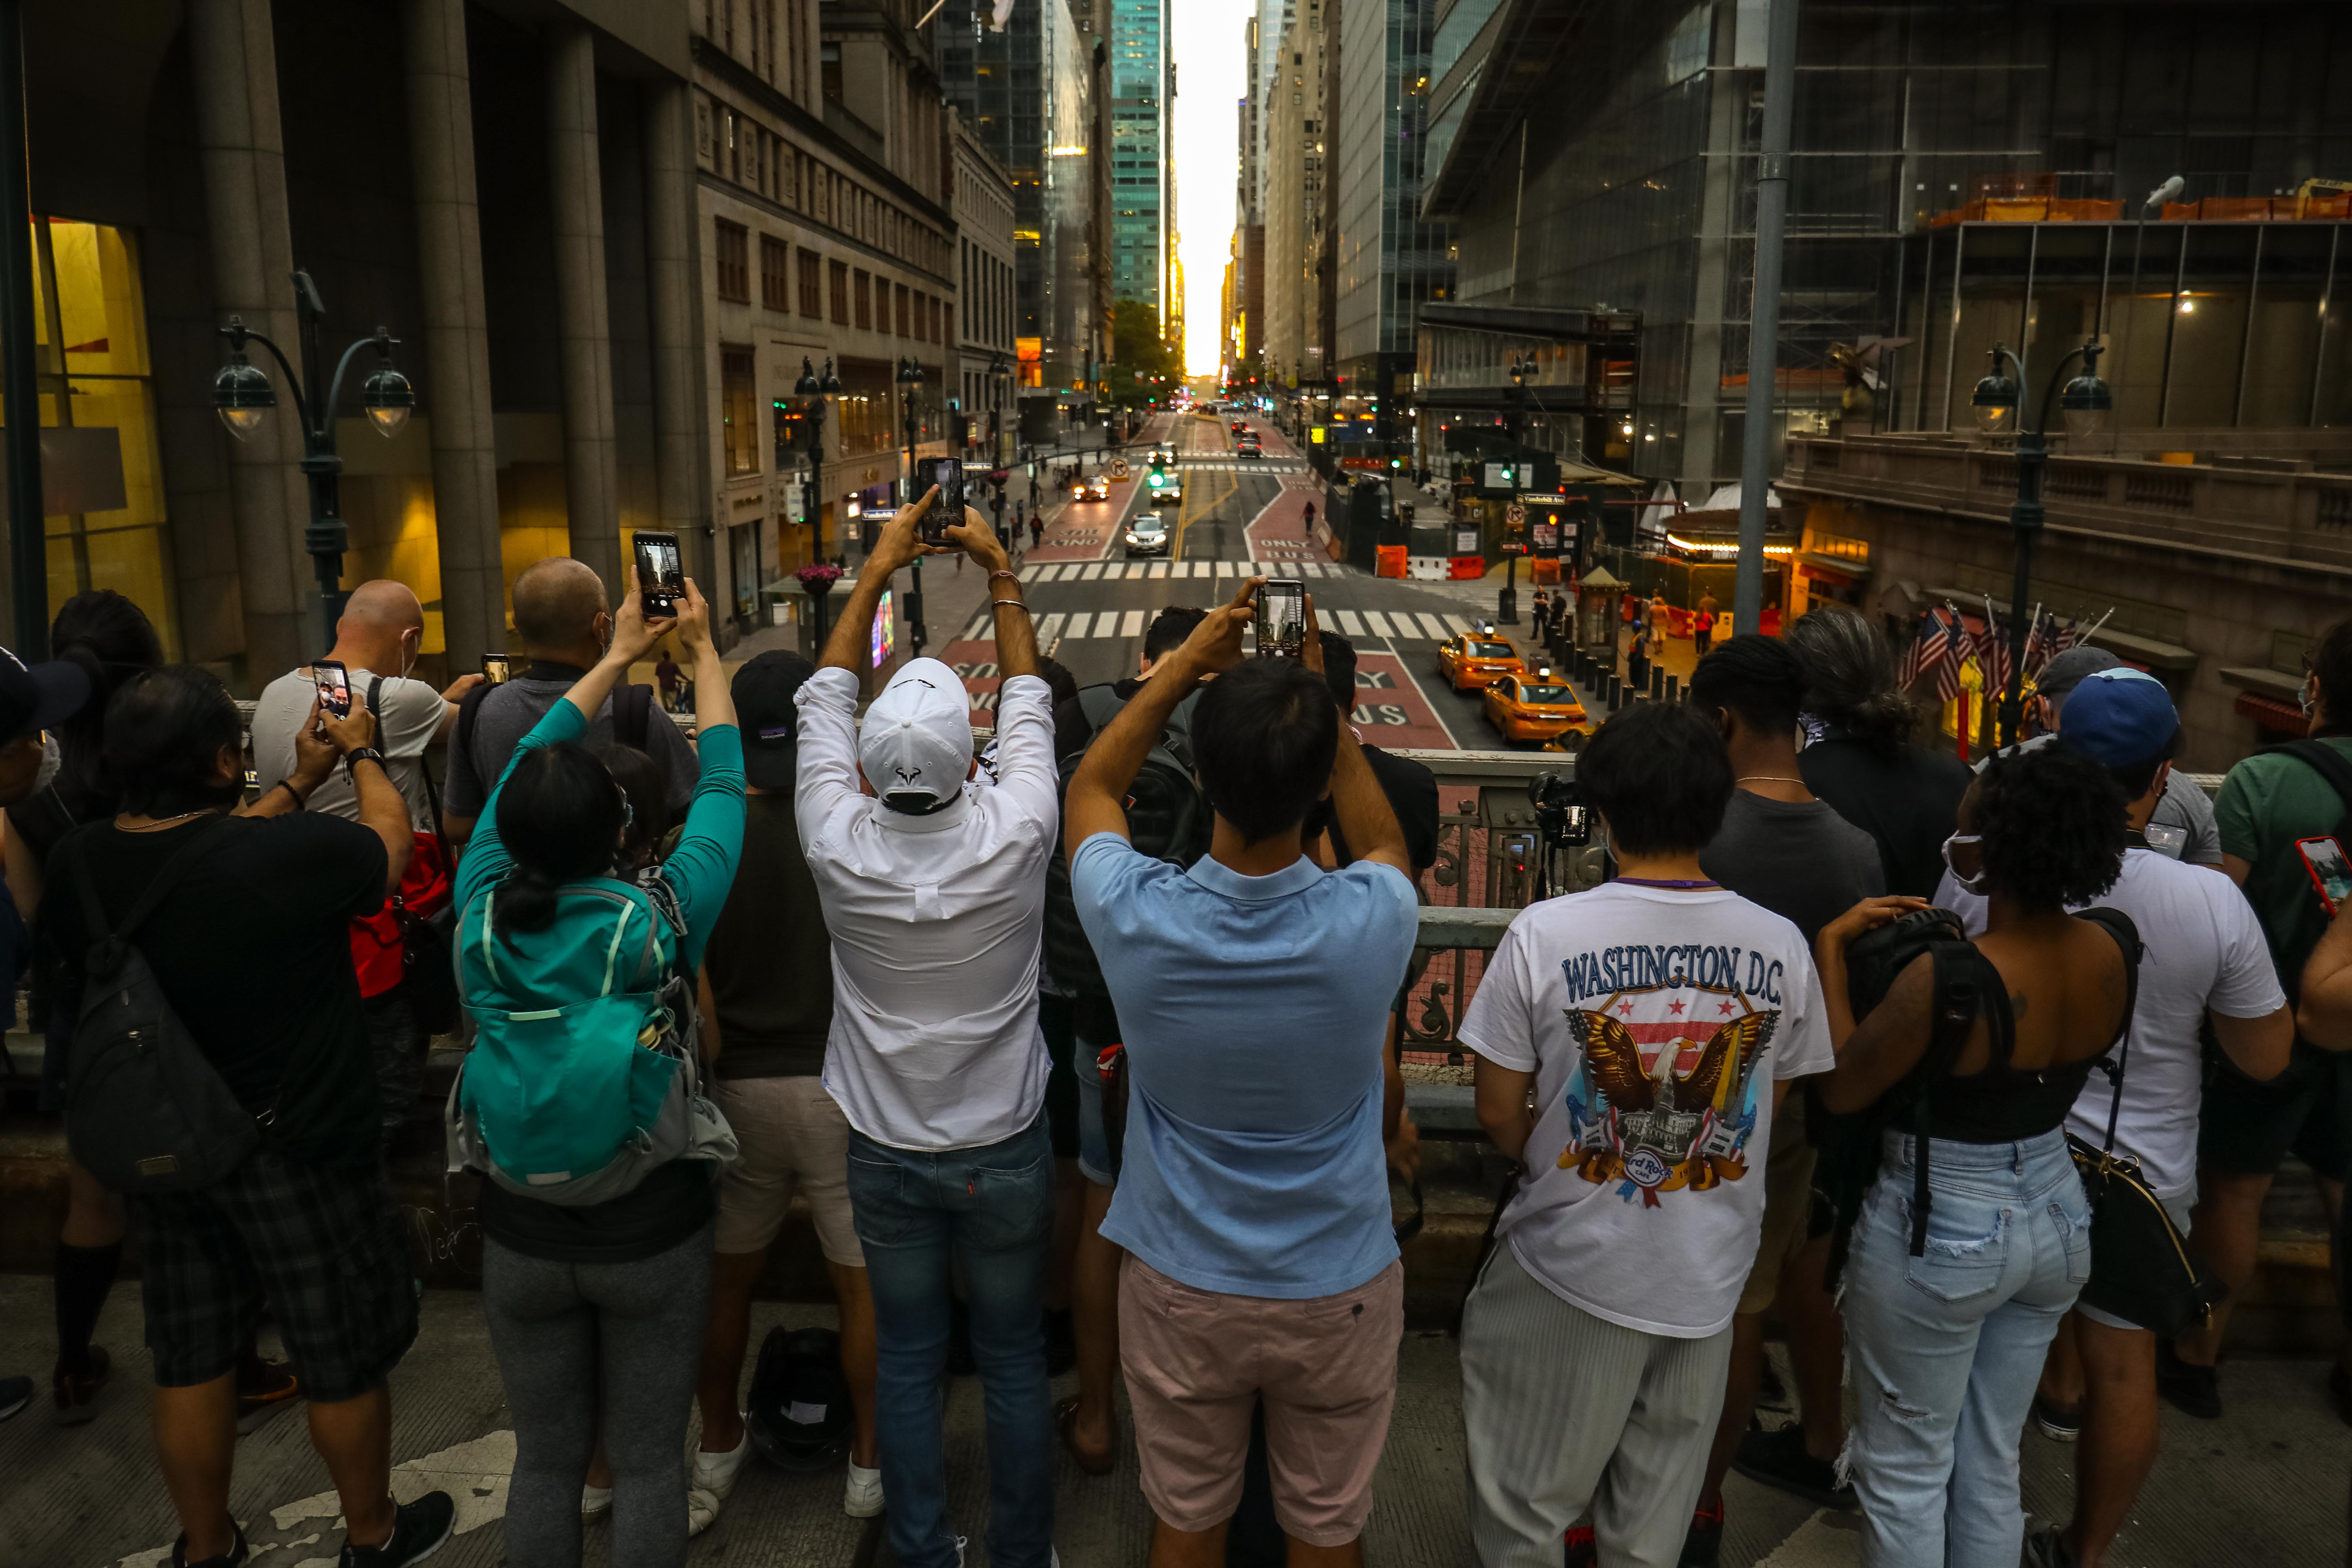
1673, 689
1658, 681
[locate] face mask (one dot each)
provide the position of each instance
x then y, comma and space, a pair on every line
411, 663
2303, 696
1976, 884
51, 761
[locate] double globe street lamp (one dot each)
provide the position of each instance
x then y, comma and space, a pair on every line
2085, 406
243, 397
815, 392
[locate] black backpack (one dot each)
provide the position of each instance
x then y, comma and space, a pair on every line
1168, 818
147, 1111
632, 718
799, 1410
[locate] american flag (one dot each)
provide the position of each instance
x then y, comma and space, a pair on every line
1992, 652
1925, 652
1956, 653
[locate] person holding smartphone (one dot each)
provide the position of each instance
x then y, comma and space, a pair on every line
933, 891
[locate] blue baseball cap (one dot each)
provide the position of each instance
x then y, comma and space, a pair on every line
2118, 717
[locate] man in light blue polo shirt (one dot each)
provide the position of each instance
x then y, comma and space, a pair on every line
1254, 990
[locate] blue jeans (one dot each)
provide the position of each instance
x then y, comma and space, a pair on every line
1946, 1347
991, 1211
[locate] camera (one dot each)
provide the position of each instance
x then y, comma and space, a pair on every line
1562, 815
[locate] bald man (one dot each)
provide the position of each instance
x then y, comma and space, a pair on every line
564, 624
376, 641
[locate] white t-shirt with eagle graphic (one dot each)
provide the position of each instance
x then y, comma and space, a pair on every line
1655, 1020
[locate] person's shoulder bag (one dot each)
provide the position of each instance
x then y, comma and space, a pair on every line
147, 1111
406, 942
577, 1102
2143, 1269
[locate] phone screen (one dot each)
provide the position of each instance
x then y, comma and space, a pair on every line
2329, 869
947, 511
334, 688
661, 572
494, 668
1281, 619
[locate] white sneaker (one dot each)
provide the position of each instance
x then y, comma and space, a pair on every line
862, 1498
701, 1511
716, 1473
596, 1504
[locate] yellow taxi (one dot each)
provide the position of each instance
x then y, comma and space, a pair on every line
1471, 660
1533, 707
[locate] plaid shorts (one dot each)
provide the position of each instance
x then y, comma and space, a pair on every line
318, 1242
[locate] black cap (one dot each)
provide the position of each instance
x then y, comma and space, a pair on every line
39, 696
764, 687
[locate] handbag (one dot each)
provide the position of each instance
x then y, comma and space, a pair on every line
2143, 1269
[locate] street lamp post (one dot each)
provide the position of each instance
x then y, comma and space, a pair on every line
815, 391
243, 397
910, 382
1506, 605
2085, 404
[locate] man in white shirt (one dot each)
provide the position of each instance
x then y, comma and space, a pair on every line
2204, 959
934, 890
1658, 1020
376, 642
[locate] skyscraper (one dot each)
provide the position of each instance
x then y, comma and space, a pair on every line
1143, 194
1389, 258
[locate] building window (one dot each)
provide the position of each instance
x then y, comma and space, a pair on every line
904, 327
730, 155
840, 290
734, 261
775, 273
810, 305
739, 418
948, 323
865, 303
939, 324
918, 334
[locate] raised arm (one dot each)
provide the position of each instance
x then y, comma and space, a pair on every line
1367, 821
1092, 804
702, 867
1016, 637
845, 646
633, 637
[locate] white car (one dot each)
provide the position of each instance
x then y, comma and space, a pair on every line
1147, 535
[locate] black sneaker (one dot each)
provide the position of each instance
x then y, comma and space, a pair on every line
2058, 1424
232, 1558
15, 1393
419, 1529
1703, 1544
1777, 1458
2045, 1548
2191, 1389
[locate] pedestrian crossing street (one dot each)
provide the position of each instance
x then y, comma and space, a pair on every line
1394, 626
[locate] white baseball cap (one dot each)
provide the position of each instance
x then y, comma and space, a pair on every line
917, 738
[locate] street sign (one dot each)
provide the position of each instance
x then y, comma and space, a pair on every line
1516, 515
1119, 467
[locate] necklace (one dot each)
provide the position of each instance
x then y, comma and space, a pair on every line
1767, 778
167, 821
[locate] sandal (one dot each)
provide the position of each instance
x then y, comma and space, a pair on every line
1065, 1427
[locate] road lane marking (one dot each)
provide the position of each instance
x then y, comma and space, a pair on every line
1049, 628
1131, 623
1457, 625
1437, 632
1079, 623
1349, 624
1378, 623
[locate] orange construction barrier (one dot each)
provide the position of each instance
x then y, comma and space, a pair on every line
1388, 560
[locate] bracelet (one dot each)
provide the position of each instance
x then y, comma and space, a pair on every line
1006, 573
288, 785
1014, 603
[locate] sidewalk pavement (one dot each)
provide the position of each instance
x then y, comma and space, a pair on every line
2264, 1485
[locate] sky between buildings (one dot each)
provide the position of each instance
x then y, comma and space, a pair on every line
1209, 85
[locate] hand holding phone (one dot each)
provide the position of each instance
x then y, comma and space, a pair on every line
1281, 619
947, 511
661, 573
2331, 873
334, 688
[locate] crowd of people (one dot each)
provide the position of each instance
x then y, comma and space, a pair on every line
1056, 1043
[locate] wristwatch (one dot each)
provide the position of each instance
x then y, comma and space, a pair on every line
358, 754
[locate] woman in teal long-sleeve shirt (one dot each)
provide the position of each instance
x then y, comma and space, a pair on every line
595, 1312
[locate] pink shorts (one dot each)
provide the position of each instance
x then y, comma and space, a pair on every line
1196, 1362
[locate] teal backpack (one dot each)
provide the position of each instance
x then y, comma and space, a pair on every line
579, 1104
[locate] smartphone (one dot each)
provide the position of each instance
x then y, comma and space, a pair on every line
947, 511
661, 573
2330, 872
334, 688
494, 668
1281, 619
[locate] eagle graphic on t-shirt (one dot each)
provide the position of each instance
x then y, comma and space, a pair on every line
1667, 1095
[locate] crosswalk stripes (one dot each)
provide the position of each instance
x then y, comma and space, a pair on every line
1131, 623
1048, 629
1080, 624
1396, 626
1350, 623
1456, 625
1136, 571
1379, 623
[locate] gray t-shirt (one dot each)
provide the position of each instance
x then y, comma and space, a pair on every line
482, 746
1800, 861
